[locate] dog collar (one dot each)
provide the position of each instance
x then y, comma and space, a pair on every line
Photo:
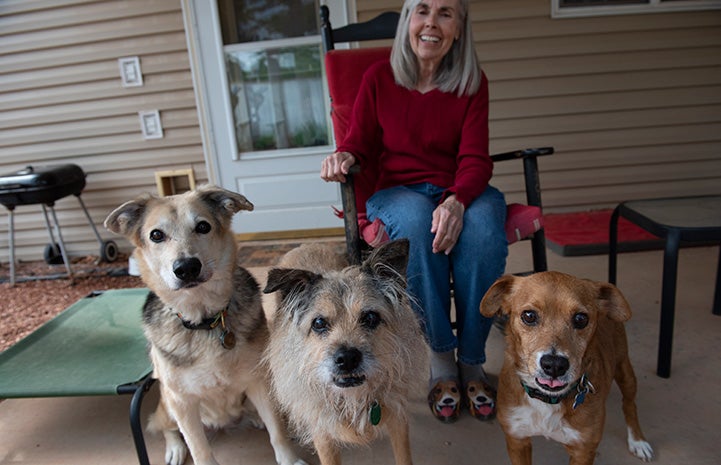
227, 338
582, 386
206, 323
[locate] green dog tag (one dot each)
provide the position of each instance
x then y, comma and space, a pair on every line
375, 413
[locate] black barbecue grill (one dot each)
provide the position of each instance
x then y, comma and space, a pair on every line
44, 185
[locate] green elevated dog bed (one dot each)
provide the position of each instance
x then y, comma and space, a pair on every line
95, 347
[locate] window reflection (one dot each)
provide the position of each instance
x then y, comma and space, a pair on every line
273, 59
277, 98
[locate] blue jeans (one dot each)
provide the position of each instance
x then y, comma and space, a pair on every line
476, 261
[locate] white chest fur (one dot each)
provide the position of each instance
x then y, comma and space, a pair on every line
536, 418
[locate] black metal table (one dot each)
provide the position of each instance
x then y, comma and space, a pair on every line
677, 220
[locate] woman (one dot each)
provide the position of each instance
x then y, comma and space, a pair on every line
420, 132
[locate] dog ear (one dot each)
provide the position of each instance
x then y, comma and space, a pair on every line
126, 219
390, 260
289, 281
224, 201
493, 301
612, 302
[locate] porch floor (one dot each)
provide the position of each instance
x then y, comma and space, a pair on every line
679, 415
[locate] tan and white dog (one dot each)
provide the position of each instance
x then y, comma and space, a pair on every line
347, 351
203, 319
565, 345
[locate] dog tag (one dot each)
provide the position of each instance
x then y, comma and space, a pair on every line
375, 413
584, 387
580, 397
227, 339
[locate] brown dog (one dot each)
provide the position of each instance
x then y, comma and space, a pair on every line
565, 344
346, 349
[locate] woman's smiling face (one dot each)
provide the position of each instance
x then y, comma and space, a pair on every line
434, 26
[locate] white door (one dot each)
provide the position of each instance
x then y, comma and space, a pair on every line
262, 99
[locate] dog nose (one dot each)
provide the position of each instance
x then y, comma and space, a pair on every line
187, 269
554, 365
347, 359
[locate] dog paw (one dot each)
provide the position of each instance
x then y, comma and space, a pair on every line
249, 419
175, 451
292, 461
255, 422
640, 449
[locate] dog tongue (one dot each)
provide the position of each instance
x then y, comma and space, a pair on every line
552, 383
446, 411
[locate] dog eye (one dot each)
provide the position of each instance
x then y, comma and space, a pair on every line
320, 325
203, 227
370, 320
529, 317
157, 236
580, 320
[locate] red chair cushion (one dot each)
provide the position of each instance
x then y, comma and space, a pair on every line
345, 69
522, 221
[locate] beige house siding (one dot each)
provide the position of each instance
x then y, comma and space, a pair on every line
631, 103
61, 101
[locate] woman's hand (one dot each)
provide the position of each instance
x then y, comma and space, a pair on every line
447, 224
336, 166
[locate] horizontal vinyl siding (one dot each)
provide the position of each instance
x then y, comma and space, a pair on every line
61, 101
631, 103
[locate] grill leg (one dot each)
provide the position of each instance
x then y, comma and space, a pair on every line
11, 231
90, 220
47, 225
66, 260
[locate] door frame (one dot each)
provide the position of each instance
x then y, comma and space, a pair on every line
205, 50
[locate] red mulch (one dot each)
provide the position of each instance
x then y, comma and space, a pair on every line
32, 302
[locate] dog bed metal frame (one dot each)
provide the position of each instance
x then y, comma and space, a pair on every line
95, 347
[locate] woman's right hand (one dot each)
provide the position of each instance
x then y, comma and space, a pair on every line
336, 166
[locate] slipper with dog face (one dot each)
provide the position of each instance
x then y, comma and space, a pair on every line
444, 399
481, 400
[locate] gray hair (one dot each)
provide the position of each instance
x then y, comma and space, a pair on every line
459, 71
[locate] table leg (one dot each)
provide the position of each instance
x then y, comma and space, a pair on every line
668, 303
717, 292
612, 245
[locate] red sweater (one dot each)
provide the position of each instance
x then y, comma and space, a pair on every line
403, 137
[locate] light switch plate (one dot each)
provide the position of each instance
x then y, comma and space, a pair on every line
150, 124
130, 71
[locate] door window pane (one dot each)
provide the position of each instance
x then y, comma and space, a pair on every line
277, 98
273, 60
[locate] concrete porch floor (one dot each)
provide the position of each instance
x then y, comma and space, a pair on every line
680, 415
